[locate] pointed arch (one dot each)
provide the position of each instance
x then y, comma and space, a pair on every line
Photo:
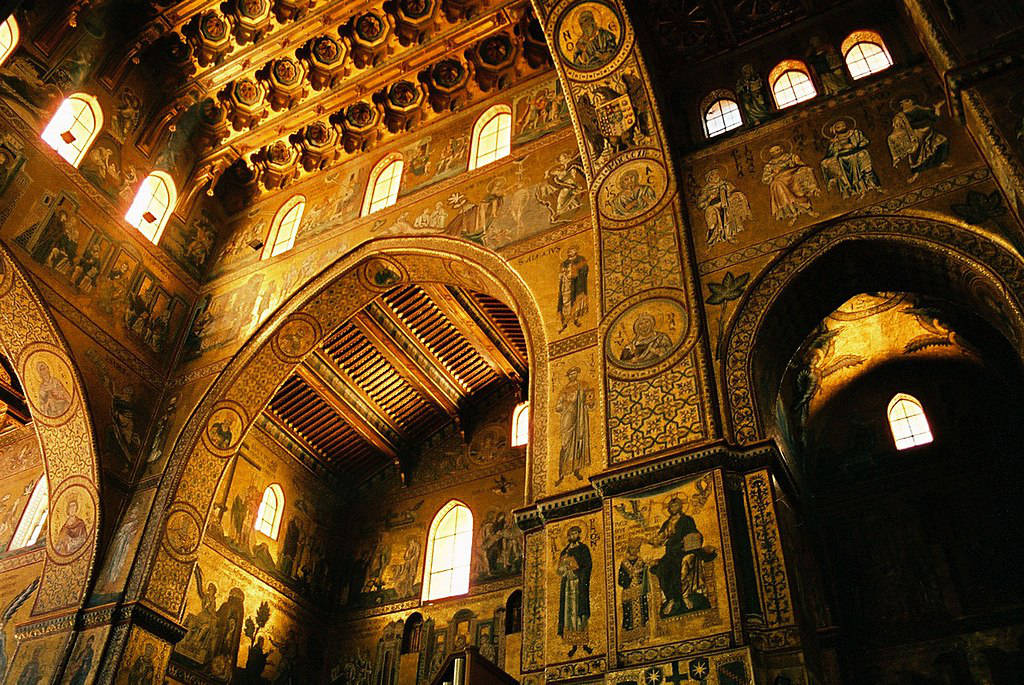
449, 552
153, 205
492, 136
74, 126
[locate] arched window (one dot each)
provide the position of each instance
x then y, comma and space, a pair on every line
520, 425
382, 190
412, 633
908, 423
152, 205
449, 548
285, 227
8, 38
268, 516
514, 613
791, 83
865, 54
492, 136
73, 128
720, 115
32, 521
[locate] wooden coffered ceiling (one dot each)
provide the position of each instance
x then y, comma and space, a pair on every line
407, 365
274, 90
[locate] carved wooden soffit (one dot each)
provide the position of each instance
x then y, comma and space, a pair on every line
480, 334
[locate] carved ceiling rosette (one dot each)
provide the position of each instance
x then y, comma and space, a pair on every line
318, 143
403, 105
277, 163
359, 126
495, 60
213, 124
288, 10
208, 34
325, 57
446, 82
285, 80
458, 10
414, 19
250, 19
369, 33
245, 102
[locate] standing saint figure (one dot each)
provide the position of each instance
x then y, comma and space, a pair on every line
847, 163
913, 138
753, 95
574, 566
633, 579
595, 45
572, 288
828, 65
680, 569
791, 184
725, 208
574, 405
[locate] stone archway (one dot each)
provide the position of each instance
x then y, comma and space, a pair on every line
53, 387
176, 528
888, 252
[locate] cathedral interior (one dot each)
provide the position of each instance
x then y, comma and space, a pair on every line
472, 342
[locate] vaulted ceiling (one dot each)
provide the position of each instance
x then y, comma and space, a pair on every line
410, 363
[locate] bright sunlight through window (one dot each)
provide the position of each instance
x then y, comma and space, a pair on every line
791, 84
268, 516
8, 38
723, 115
32, 521
865, 54
152, 205
384, 183
449, 549
285, 227
908, 423
492, 136
521, 424
74, 126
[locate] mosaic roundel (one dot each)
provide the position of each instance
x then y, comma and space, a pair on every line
71, 521
647, 333
632, 189
182, 533
49, 384
380, 273
589, 36
224, 429
296, 337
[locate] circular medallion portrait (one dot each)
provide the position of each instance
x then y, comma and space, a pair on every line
589, 35
182, 533
224, 430
631, 190
646, 333
71, 521
49, 384
296, 337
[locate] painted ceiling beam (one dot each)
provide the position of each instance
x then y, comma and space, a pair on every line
422, 372
344, 397
482, 320
491, 352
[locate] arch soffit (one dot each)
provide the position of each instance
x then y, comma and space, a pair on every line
264, 362
1000, 270
31, 340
